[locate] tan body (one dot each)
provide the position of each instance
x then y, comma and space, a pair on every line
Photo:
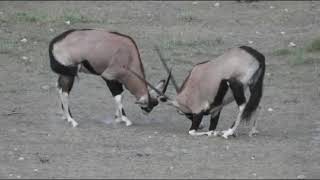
211, 85
109, 55
202, 84
113, 56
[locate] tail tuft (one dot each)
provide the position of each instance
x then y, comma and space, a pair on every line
256, 87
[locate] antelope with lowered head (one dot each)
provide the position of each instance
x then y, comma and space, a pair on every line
112, 56
213, 84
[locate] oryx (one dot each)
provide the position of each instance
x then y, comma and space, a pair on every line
212, 84
110, 55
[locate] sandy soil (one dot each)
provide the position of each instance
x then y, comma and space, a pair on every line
36, 143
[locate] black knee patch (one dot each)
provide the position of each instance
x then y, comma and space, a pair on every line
223, 88
238, 91
114, 86
214, 121
65, 83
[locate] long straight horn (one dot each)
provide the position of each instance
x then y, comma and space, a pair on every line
149, 84
167, 82
166, 67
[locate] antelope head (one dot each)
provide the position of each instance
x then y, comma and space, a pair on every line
156, 94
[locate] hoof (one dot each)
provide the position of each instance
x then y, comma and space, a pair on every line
253, 132
213, 133
128, 123
227, 133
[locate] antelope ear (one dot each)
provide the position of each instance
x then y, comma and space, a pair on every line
159, 86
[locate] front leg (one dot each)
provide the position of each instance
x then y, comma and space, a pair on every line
213, 123
196, 120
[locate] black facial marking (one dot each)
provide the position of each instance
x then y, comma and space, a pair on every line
238, 91
88, 66
65, 83
214, 121
114, 86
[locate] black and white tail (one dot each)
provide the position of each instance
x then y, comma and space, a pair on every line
256, 87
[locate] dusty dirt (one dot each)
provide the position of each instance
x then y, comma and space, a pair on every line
36, 143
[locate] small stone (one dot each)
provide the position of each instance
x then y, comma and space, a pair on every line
286, 10
253, 158
51, 30
257, 32
24, 58
21, 158
301, 176
35, 170
45, 87
194, 2
216, 4
254, 174
185, 151
292, 44
227, 147
271, 7
1, 13
171, 167
10, 175
156, 132
15, 149
149, 137
268, 74
270, 109
24, 40
283, 33
18, 176
250, 42
67, 22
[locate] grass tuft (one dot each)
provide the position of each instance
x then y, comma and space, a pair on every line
314, 46
281, 52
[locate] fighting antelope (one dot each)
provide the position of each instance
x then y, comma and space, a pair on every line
112, 56
213, 84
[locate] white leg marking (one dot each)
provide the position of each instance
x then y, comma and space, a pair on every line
65, 103
213, 133
126, 120
119, 116
231, 131
195, 133
254, 130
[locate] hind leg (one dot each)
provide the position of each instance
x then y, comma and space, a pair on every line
239, 96
116, 91
65, 84
254, 130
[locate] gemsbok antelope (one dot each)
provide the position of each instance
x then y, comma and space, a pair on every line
110, 55
213, 84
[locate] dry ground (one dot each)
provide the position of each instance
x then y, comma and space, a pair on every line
36, 143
